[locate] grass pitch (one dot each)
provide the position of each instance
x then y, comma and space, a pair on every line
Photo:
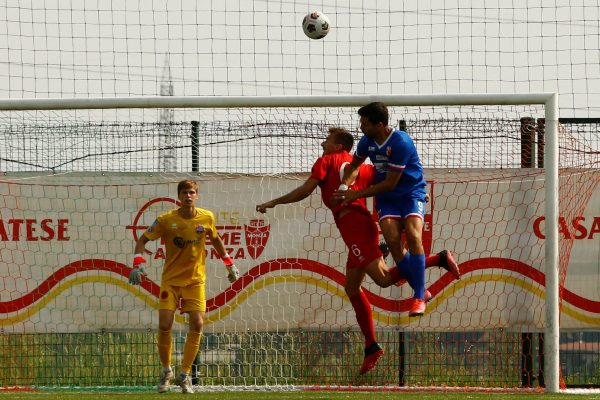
290, 395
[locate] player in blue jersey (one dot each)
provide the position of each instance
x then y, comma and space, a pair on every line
359, 232
399, 192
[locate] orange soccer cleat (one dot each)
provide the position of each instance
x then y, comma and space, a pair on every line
418, 308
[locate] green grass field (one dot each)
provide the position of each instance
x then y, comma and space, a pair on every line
289, 395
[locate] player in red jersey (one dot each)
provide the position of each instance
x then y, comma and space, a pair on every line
358, 230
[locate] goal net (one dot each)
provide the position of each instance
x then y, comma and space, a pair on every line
80, 185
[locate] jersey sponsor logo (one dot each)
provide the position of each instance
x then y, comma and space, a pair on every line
380, 167
388, 151
181, 242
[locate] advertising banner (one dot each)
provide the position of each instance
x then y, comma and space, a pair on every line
66, 250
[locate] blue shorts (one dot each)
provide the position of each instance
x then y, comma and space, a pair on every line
400, 209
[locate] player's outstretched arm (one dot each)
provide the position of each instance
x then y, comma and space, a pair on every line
300, 193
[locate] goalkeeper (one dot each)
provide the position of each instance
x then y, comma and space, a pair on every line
184, 232
358, 230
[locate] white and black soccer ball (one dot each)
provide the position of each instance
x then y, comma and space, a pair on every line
315, 25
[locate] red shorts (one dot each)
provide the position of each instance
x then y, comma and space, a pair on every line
361, 235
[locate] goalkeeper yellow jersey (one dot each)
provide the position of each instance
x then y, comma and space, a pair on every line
185, 243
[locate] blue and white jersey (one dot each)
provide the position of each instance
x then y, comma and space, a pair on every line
397, 154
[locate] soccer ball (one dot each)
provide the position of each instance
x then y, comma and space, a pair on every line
315, 25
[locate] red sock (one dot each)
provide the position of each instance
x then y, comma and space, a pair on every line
432, 261
364, 316
397, 277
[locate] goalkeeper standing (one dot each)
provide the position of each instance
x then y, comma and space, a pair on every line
184, 232
358, 230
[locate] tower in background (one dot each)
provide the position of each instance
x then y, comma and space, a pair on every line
167, 153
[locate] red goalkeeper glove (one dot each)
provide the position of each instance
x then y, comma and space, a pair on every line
135, 276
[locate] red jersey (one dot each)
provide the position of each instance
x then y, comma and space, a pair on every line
329, 171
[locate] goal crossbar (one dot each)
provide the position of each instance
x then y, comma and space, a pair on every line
272, 101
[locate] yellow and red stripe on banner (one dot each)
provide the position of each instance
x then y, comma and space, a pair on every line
386, 310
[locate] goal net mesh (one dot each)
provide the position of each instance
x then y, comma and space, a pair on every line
79, 187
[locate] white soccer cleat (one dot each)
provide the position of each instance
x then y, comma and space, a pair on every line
165, 379
185, 383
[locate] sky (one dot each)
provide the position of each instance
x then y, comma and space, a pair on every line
123, 48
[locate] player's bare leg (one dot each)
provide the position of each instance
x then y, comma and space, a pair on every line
165, 344
392, 233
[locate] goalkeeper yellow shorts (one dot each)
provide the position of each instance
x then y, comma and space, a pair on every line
184, 298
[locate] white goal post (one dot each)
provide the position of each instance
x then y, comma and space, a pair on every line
551, 162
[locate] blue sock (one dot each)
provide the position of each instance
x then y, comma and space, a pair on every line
417, 267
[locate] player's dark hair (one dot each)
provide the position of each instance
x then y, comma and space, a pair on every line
187, 184
375, 112
343, 137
